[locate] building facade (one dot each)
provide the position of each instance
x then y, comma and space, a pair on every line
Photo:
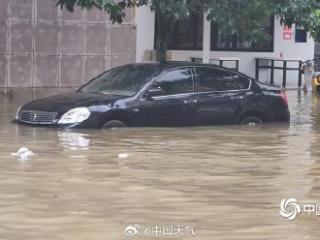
198, 38
46, 50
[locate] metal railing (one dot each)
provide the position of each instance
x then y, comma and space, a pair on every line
284, 68
196, 60
317, 62
221, 62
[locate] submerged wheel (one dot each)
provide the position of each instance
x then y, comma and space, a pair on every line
251, 120
114, 124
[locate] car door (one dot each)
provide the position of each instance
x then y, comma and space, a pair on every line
176, 105
219, 95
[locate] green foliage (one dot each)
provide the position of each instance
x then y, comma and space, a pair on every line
168, 12
314, 25
244, 17
232, 16
116, 9
305, 13
296, 11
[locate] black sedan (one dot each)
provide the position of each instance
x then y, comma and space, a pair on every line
167, 94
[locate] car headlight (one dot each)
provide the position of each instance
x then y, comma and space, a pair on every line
76, 115
18, 111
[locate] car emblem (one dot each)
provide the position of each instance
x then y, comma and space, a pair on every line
35, 117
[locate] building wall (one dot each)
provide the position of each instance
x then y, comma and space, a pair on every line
43, 47
288, 49
145, 20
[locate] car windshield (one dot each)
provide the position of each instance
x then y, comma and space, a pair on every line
122, 81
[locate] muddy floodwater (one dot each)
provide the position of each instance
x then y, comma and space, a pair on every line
215, 182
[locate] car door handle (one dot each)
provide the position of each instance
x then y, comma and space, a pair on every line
190, 101
237, 98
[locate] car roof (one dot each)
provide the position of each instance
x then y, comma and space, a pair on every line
173, 64
176, 64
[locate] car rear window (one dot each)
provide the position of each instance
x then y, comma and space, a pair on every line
213, 79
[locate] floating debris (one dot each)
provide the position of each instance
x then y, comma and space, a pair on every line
23, 153
123, 155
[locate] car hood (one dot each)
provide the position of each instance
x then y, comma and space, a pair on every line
64, 102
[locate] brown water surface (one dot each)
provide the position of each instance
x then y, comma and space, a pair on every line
226, 182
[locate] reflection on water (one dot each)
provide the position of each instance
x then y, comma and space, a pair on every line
226, 181
73, 140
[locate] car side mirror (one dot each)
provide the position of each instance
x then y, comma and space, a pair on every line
153, 92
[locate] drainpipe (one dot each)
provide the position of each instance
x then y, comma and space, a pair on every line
206, 39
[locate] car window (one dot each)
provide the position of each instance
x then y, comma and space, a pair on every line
177, 81
213, 79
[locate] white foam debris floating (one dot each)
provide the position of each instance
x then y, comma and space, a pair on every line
123, 155
23, 153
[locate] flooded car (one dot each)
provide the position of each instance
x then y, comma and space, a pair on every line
169, 94
223, 182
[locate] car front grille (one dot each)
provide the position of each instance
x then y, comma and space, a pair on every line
37, 117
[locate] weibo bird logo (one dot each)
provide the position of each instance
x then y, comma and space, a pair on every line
131, 230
